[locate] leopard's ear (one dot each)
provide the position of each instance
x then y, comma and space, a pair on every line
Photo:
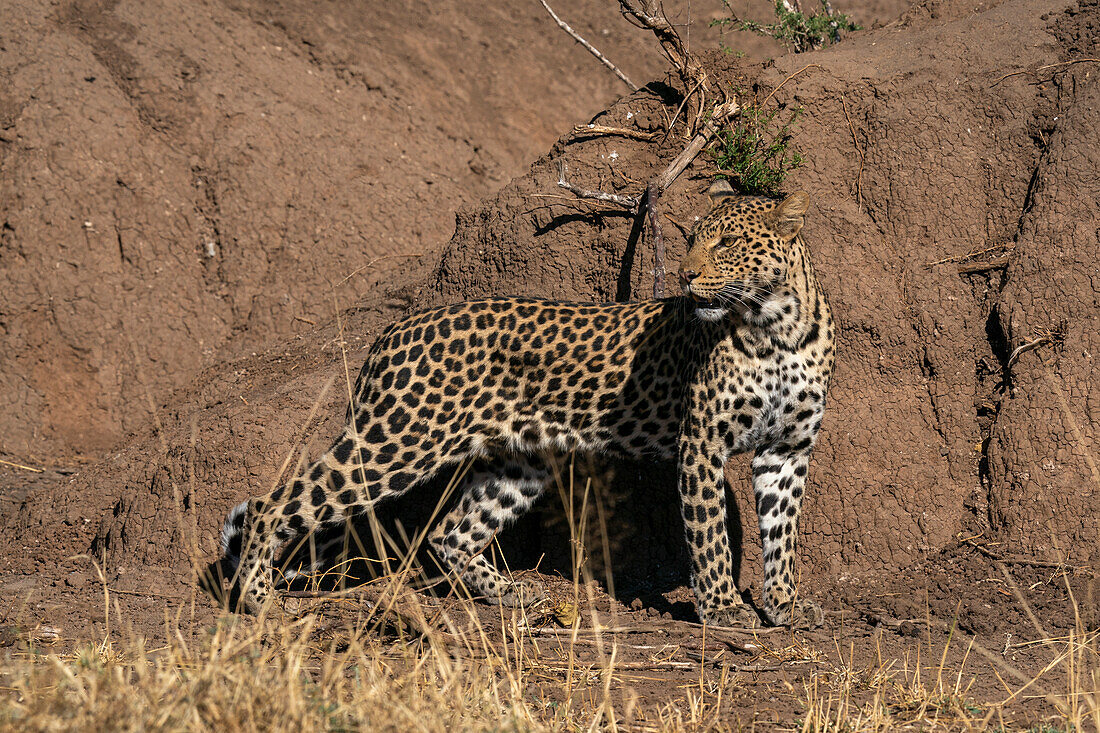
720, 190
788, 215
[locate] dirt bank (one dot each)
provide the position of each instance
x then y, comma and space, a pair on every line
950, 158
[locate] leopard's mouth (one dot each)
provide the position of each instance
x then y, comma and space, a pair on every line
703, 302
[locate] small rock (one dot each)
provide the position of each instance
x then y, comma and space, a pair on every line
651, 611
8, 635
908, 628
636, 604
77, 579
667, 615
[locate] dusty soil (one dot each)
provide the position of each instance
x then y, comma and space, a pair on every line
207, 212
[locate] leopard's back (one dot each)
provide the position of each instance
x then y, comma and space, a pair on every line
528, 375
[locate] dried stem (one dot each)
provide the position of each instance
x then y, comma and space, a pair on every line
647, 14
859, 151
993, 264
1049, 338
20, 465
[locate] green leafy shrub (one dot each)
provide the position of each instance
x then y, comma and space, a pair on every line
754, 151
797, 30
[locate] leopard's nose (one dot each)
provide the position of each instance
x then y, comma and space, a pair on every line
686, 276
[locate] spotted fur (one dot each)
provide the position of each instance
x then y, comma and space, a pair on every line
740, 363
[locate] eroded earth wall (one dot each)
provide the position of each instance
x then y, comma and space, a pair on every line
954, 220
183, 182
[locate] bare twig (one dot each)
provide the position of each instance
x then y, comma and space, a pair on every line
558, 631
1044, 68
629, 202
773, 91
972, 254
859, 151
370, 264
589, 47
993, 264
652, 196
714, 633
648, 15
1017, 560
1054, 335
593, 130
676, 116
684, 231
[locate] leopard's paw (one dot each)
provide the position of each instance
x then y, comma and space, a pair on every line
740, 616
522, 593
801, 614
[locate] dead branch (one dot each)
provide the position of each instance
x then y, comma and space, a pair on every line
714, 633
721, 113
1007, 250
589, 47
652, 196
594, 130
629, 202
1044, 68
647, 14
610, 630
1054, 335
780, 86
676, 116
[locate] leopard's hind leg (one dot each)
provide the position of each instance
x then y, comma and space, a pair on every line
353, 474
494, 493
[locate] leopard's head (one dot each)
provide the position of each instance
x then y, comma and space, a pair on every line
740, 252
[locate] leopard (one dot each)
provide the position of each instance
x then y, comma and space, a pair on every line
739, 361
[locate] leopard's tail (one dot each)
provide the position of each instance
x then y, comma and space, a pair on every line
232, 536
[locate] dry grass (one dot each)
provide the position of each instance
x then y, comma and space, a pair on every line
383, 657
885, 696
262, 676
395, 663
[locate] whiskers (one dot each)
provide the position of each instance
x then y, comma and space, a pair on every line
737, 293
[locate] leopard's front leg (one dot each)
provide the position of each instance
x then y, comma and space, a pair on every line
703, 507
778, 480
254, 572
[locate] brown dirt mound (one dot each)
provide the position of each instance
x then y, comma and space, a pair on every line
180, 184
954, 222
